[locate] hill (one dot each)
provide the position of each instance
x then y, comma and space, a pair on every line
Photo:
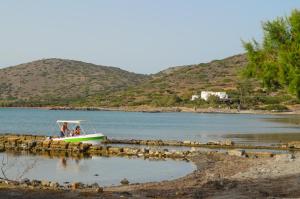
179, 83
58, 81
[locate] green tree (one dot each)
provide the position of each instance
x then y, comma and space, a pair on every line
276, 61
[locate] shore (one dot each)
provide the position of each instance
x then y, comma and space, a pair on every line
217, 176
233, 172
293, 110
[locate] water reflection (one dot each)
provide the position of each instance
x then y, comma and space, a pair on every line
264, 138
103, 170
286, 119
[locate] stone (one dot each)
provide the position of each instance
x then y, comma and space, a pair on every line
124, 181
236, 152
46, 143
294, 144
131, 151
99, 189
259, 154
85, 146
145, 150
35, 183
186, 142
45, 183
213, 143
95, 185
152, 152
115, 150
77, 185
54, 185
226, 142
25, 181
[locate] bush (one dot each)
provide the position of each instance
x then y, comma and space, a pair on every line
275, 107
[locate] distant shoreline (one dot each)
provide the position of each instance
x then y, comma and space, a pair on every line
148, 109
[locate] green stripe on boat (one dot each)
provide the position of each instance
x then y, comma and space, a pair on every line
83, 139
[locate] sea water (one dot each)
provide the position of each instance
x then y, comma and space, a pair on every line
203, 127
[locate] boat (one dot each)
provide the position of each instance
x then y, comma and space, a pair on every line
94, 138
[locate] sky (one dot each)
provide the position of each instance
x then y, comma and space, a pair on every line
142, 36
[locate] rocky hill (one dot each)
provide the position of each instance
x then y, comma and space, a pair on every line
59, 82
163, 88
50, 80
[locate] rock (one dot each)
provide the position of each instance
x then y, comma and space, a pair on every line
54, 185
85, 146
131, 151
99, 189
186, 142
236, 152
35, 183
94, 185
75, 185
45, 183
226, 142
46, 143
292, 157
25, 181
213, 143
294, 144
145, 150
124, 181
115, 150
259, 154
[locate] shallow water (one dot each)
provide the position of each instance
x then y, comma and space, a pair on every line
168, 126
102, 170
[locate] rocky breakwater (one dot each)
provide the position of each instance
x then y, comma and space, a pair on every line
187, 143
222, 144
42, 144
51, 185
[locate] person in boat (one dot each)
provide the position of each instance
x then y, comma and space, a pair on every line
76, 131
64, 130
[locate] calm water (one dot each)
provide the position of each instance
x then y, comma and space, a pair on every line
105, 171
171, 126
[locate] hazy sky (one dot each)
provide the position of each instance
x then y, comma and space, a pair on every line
143, 36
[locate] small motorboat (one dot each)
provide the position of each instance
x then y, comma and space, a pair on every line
78, 136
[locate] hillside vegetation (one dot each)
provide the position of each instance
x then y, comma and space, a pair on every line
176, 85
59, 81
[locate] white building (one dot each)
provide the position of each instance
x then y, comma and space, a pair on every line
205, 95
194, 97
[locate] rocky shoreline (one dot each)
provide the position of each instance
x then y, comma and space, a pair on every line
148, 109
42, 144
231, 172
